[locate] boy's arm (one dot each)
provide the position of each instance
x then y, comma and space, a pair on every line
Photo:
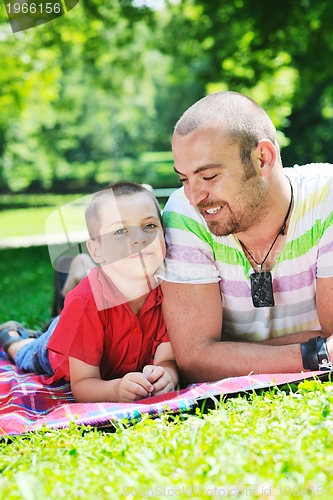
88, 387
164, 373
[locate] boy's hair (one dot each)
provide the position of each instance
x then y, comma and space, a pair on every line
92, 213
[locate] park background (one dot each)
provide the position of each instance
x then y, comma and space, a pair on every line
92, 98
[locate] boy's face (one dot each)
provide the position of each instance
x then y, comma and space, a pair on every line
131, 241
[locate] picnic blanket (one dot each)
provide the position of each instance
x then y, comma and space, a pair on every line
27, 403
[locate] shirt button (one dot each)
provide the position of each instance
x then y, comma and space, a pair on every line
132, 360
137, 329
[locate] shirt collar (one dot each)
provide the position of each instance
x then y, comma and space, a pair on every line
107, 295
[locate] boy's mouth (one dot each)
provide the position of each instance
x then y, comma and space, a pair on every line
140, 255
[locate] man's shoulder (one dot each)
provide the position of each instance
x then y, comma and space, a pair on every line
178, 206
311, 171
175, 199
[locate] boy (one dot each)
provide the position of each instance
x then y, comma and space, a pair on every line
110, 340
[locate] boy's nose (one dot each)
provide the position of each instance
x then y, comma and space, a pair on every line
139, 239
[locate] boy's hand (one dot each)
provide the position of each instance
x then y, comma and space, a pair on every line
160, 378
134, 386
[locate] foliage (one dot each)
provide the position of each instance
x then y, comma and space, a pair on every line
280, 58
34, 200
84, 102
84, 97
26, 286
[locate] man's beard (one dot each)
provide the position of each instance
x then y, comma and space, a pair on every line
234, 221
224, 228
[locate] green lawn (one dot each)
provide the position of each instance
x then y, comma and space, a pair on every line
25, 215
278, 444
23, 221
37, 220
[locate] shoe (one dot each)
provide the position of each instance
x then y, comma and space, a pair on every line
6, 340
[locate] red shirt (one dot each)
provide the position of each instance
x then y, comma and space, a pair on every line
115, 339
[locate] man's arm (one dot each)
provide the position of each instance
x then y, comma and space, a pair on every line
324, 303
193, 315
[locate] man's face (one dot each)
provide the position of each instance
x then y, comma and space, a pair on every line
230, 198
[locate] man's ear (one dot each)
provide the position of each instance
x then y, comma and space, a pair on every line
266, 153
94, 249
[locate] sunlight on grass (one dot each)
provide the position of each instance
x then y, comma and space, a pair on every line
23, 221
268, 446
31, 221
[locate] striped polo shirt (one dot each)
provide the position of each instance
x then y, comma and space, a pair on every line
195, 255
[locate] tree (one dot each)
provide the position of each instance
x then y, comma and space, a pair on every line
278, 53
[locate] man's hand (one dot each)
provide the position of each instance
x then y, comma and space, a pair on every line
134, 386
160, 378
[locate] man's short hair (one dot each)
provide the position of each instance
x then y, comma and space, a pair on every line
240, 116
92, 213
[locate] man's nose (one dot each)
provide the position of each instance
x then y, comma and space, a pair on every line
194, 192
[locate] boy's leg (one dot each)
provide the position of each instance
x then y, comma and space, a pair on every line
78, 269
16, 346
33, 356
13, 333
69, 273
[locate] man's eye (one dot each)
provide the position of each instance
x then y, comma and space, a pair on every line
209, 178
182, 180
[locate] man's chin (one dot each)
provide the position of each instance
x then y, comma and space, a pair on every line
219, 229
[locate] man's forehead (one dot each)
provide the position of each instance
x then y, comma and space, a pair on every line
203, 149
211, 137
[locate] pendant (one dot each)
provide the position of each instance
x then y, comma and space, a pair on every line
262, 289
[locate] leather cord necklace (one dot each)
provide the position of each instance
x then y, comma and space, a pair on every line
261, 282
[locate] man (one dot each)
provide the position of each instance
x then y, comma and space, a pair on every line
249, 268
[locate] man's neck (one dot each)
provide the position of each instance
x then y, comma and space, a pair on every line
257, 240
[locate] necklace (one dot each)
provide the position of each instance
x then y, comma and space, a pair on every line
261, 282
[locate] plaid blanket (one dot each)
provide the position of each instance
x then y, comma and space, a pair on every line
27, 403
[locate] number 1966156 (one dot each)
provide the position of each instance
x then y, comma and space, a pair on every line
33, 8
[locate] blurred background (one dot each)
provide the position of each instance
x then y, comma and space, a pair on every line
92, 97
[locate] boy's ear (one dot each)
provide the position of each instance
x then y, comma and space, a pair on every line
94, 249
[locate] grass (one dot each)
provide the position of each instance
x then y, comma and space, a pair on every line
277, 444
23, 221
26, 285
267, 446
25, 215
35, 221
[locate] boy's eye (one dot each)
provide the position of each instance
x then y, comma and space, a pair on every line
209, 178
151, 225
121, 231
182, 180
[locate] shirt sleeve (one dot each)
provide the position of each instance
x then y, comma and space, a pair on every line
190, 256
325, 229
161, 337
79, 333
